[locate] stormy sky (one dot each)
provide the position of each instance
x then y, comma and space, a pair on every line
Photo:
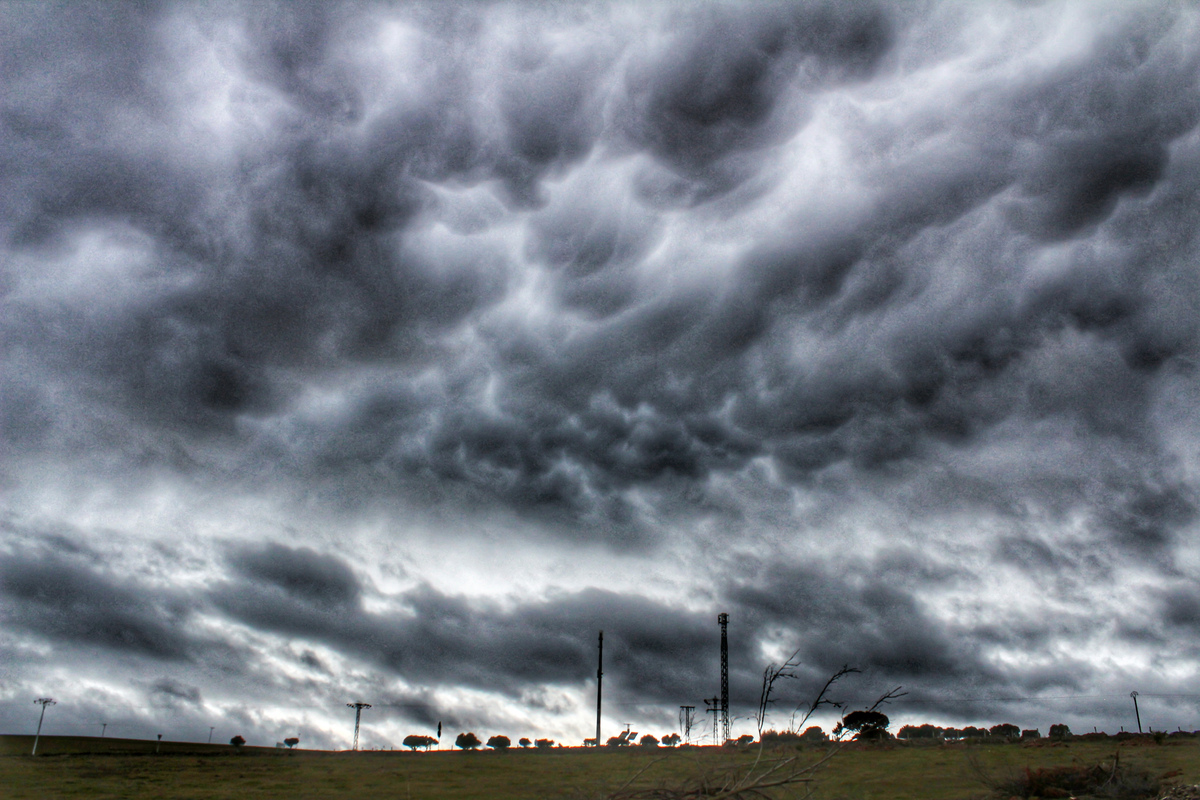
387, 352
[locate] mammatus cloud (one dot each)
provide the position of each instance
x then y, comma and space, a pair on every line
873, 326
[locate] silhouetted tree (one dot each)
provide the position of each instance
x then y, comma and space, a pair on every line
1031, 733
671, 739
620, 740
524, 742
237, 741
649, 740
925, 731
744, 739
415, 740
866, 725
814, 734
1005, 729
292, 741
499, 742
467, 741
1059, 732
542, 744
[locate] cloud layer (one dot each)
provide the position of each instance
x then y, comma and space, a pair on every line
397, 349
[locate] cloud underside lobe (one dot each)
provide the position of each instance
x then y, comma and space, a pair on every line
884, 309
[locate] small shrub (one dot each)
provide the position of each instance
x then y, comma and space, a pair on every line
1105, 780
524, 741
292, 741
499, 742
649, 740
542, 744
237, 741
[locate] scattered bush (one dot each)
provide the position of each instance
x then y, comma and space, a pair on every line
467, 741
1031, 733
649, 740
776, 738
237, 741
499, 742
671, 739
524, 741
1109, 780
542, 744
292, 741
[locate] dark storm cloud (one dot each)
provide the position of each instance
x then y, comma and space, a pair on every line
609, 275
302, 260
656, 652
60, 600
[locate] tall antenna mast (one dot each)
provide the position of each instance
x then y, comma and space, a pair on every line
43, 702
599, 679
358, 709
724, 620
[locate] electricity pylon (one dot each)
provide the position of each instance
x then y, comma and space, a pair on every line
358, 709
43, 702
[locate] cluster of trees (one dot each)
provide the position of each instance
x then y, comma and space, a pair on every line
1004, 730
626, 738
469, 741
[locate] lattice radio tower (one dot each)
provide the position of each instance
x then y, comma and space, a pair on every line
686, 715
724, 620
358, 709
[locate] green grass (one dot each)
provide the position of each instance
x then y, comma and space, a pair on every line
129, 769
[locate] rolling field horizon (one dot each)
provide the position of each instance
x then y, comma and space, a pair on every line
71, 767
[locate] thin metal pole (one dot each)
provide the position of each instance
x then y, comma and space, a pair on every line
210, 730
1135, 711
103, 728
599, 680
723, 619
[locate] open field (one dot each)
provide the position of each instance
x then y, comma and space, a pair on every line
186, 771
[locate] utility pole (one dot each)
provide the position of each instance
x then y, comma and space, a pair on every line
686, 715
158, 744
358, 709
599, 680
43, 702
723, 619
1135, 711
103, 728
210, 730
714, 708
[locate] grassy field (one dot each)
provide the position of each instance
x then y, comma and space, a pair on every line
129, 769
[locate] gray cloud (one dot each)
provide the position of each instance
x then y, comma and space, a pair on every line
831, 315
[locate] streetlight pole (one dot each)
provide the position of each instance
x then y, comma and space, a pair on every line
1135, 711
43, 702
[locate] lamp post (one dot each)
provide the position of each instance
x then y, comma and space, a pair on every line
43, 702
